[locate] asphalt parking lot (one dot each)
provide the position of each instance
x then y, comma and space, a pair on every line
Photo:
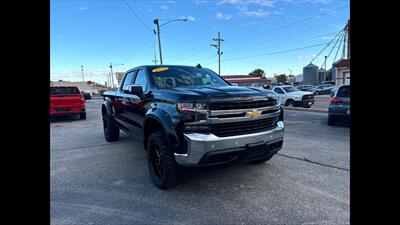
95, 182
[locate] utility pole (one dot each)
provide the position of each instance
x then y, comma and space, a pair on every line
83, 78
112, 77
325, 68
157, 22
218, 46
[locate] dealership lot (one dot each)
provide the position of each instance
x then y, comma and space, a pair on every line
95, 182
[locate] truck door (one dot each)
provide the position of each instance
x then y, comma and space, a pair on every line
134, 105
281, 94
122, 103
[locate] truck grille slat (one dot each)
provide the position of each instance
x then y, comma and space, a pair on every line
238, 128
241, 105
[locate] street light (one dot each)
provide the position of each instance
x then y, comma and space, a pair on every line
83, 78
112, 76
157, 22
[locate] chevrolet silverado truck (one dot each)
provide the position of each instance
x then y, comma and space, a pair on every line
67, 100
190, 117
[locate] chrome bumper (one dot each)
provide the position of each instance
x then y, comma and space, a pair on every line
200, 144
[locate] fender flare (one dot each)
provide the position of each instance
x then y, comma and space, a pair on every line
107, 107
163, 118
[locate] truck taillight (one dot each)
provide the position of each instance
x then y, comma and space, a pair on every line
336, 101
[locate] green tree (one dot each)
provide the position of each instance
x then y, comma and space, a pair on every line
281, 78
258, 73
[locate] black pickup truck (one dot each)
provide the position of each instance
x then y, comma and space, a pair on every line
189, 116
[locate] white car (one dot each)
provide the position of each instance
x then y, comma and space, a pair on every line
291, 96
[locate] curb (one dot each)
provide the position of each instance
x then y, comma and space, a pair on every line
305, 109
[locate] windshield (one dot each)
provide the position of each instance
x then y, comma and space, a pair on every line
183, 76
290, 89
64, 91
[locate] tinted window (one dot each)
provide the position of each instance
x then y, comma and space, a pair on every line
344, 92
141, 80
290, 89
278, 90
128, 79
64, 91
184, 76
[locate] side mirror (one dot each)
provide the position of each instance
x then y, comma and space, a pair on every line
234, 84
133, 89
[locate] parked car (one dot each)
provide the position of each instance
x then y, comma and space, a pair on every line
291, 96
339, 107
305, 87
86, 95
67, 100
329, 82
190, 116
322, 89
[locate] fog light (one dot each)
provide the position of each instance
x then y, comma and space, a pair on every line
280, 124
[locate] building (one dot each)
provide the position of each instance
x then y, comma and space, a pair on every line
341, 71
310, 74
322, 74
246, 80
299, 78
87, 86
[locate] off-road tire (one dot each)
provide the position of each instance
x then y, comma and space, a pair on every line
110, 128
164, 176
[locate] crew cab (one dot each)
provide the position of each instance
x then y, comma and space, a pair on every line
191, 117
67, 100
292, 96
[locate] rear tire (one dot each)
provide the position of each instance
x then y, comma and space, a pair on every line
110, 128
161, 161
331, 121
82, 116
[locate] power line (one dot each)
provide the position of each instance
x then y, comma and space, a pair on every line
279, 27
327, 45
139, 49
133, 12
334, 59
271, 53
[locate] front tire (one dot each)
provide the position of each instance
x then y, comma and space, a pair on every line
290, 103
161, 161
316, 93
110, 128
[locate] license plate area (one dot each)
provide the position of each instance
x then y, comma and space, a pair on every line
63, 109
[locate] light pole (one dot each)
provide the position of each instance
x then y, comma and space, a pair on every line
157, 22
112, 75
83, 78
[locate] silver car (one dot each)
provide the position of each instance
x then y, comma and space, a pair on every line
339, 107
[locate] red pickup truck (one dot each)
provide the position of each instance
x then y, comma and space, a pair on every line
67, 100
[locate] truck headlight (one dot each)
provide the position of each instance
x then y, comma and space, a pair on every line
190, 107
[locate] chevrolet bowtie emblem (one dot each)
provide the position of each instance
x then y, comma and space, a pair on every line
253, 114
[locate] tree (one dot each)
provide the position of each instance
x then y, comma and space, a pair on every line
258, 73
281, 78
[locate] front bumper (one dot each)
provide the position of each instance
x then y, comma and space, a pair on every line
199, 146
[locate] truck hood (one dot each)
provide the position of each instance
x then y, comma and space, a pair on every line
298, 93
214, 93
